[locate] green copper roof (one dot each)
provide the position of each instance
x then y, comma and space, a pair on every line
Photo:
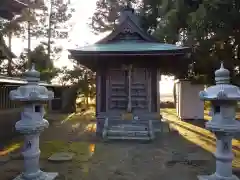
130, 46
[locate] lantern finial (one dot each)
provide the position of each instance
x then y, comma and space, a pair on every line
222, 75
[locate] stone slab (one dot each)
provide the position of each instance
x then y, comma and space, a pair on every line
127, 127
16, 156
47, 176
214, 177
190, 159
61, 156
4, 159
127, 135
178, 157
196, 157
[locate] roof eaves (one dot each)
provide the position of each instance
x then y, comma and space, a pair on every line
22, 81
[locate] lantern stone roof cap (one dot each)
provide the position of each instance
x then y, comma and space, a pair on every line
223, 90
32, 75
222, 72
32, 91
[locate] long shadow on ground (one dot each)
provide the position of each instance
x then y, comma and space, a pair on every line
198, 122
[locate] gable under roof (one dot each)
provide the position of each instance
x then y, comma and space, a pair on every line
128, 29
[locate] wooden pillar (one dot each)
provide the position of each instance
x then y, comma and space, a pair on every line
149, 97
1, 97
107, 92
98, 92
158, 89
16, 105
154, 90
7, 97
10, 105
104, 91
101, 98
50, 105
4, 97
11, 102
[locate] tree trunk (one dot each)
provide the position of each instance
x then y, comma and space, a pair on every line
49, 31
9, 67
87, 102
29, 62
70, 96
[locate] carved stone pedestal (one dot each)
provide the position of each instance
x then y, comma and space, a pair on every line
41, 176
224, 157
216, 177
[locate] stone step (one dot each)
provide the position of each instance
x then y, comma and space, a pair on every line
127, 133
129, 127
131, 122
126, 129
128, 138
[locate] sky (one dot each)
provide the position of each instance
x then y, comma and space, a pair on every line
81, 35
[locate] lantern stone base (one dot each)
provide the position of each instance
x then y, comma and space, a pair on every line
44, 176
215, 177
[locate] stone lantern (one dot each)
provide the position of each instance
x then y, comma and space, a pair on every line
223, 97
32, 96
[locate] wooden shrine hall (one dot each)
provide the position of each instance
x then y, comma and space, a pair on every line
128, 65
